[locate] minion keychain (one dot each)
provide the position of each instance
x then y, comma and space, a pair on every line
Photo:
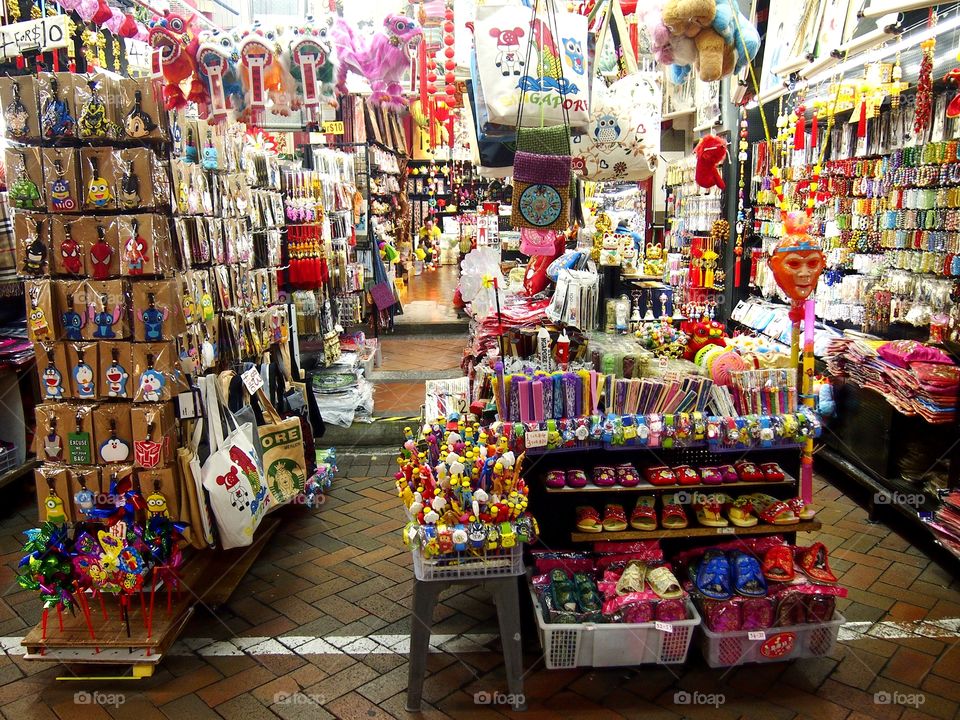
99, 194
54, 505
61, 194
157, 501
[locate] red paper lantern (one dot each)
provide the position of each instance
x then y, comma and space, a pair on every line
450, 77
431, 77
448, 14
448, 27
451, 89
448, 40
450, 64
448, 52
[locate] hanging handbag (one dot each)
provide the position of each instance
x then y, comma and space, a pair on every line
284, 461
232, 474
200, 533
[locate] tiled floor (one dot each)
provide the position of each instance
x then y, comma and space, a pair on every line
408, 360
428, 297
332, 592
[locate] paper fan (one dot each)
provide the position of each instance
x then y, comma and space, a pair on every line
479, 274
724, 364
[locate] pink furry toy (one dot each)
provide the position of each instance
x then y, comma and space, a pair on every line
382, 60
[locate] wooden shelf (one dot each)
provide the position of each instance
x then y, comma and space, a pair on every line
17, 472
646, 488
697, 531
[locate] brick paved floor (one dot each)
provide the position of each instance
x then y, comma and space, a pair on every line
344, 573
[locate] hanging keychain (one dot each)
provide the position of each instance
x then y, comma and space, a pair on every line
23, 191
129, 189
73, 321
190, 154
52, 444
114, 449
38, 318
151, 382
104, 320
135, 251
147, 452
84, 378
153, 318
156, 501
52, 379
35, 256
137, 122
61, 192
16, 116
208, 351
206, 301
55, 117
116, 376
100, 255
98, 189
79, 444
54, 505
83, 499
93, 122
211, 158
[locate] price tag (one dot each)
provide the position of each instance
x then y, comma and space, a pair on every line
333, 127
757, 635
535, 438
726, 531
663, 626
252, 380
187, 406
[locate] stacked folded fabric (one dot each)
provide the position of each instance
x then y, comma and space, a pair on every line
915, 378
946, 522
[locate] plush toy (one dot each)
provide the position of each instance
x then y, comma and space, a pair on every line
668, 49
694, 19
710, 152
737, 31
382, 60
178, 50
797, 260
702, 333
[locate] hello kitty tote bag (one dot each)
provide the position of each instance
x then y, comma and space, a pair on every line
232, 474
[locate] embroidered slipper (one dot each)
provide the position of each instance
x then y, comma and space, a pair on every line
749, 472
740, 512
711, 476
576, 478
588, 520
644, 517
814, 563
673, 516
729, 473
801, 509
556, 479
772, 472
664, 583
614, 518
686, 475
747, 576
771, 510
712, 576
627, 475
661, 475
778, 564
604, 476
633, 578
708, 511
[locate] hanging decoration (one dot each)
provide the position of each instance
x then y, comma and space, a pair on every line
924, 101
311, 64
217, 59
178, 48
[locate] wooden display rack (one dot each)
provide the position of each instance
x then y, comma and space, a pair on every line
208, 578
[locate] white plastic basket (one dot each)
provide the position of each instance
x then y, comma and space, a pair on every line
614, 644
467, 566
726, 649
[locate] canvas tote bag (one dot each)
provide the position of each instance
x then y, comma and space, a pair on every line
232, 474
200, 532
284, 460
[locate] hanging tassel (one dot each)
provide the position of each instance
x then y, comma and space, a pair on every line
862, 125
814, 134
799, 134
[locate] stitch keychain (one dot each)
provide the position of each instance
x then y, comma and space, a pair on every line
152, 319
52, 444
114, 449
211, 159
36, 254
101, 254
16, 116
84, 377
83, 498
104, 320
79, 444
116, 376
138, 123
52, 379
23, 191
147, 452
93, 122
70, 252
98, 189
190, 154
54, 505
129, 189
135, 251
151, 382
61, 195
55, 117
157, 501
38, 318
73, 321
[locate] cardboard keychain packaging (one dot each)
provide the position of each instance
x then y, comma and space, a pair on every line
41, 314
21, 113
160, 487
86, 492
99, 179
56, 96
136, 188
77, 421
53, 494
116, 366
156, 372
25, 188
99, 238
141, 117
154, 433
52, 370
50, 440
31, 232
145, 245
83, 367
113, 433
97, 107
157, 314
107, 316
61, 179
72, 299
69, 256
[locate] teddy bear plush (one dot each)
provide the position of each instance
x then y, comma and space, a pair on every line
694, 19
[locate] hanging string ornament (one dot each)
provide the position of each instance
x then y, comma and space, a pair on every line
924, 101
217, 66
896, 75
741, 196
953, 78
449, 64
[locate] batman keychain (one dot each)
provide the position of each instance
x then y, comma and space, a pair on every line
129, 189
35, 256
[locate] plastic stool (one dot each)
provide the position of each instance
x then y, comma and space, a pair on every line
507, 600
